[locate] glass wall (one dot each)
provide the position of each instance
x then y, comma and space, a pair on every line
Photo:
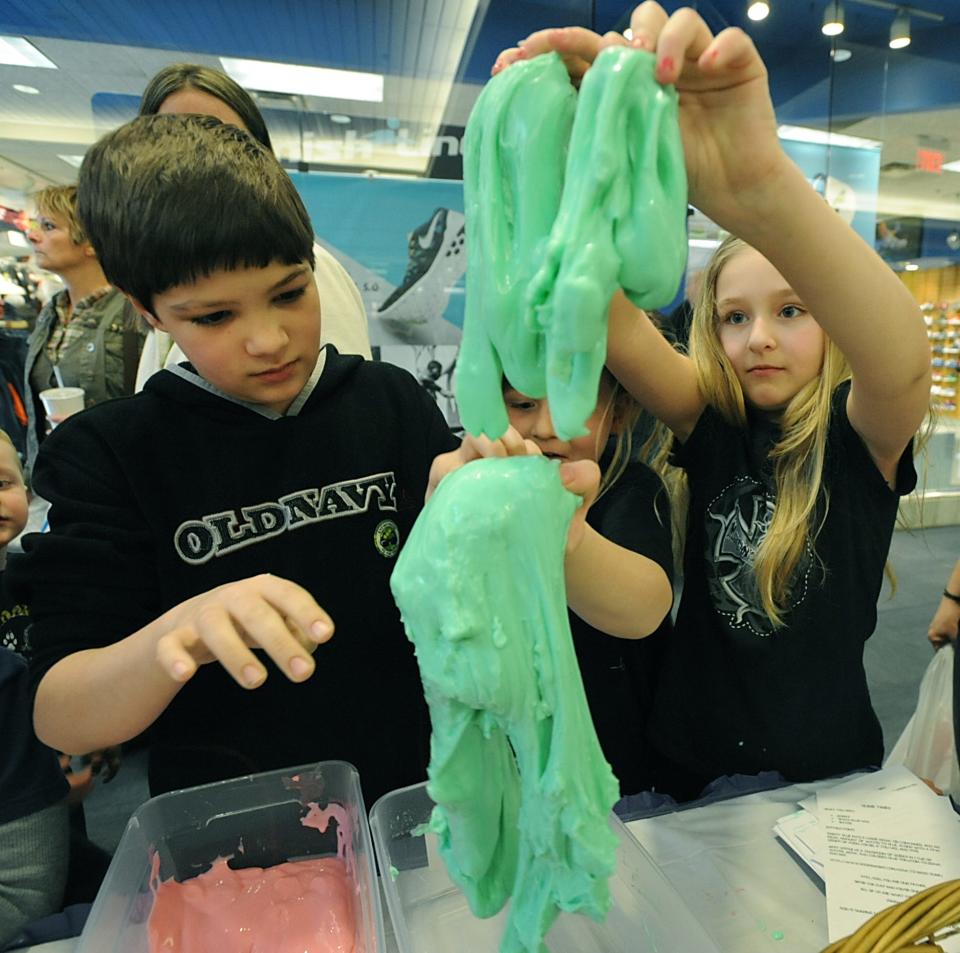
371, 125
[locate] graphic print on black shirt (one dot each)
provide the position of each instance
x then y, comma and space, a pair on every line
217, 534
737, 520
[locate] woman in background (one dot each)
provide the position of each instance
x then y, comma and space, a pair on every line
84, 336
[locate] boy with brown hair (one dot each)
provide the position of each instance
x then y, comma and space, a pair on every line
208, 518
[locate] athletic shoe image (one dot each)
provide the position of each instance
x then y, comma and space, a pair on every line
436, 262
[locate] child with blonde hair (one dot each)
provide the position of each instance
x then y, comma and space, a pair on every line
793, 418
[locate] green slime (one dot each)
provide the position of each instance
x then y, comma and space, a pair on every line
552, 231
522, 790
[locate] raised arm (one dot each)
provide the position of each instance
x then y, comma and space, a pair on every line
660, 378
761, 196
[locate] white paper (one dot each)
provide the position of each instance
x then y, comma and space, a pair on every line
888, 836
801, 832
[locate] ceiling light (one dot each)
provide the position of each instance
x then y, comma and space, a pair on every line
305, 80
17, 51
75, 161
910, 266
832, 19
900, 31
758, 10
16, 238
340, 118
840, 54
29, 90
951, 166
805, 134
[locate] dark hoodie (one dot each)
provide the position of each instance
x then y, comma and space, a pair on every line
177, 490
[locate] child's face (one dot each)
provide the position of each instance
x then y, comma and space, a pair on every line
252, 332
13, 495
771, 340
531, 419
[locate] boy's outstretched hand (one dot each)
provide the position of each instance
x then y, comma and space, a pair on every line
729, 130
225, 624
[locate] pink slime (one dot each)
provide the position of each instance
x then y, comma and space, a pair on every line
303, 906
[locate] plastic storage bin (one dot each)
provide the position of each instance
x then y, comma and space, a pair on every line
430, 914
189, 829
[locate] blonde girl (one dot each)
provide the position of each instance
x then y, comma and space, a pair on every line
793, 418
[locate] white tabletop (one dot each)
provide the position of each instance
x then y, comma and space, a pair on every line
743, 886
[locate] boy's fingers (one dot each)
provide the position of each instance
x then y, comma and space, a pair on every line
263, 626
217, 629
173, 658
295, 603
307, 642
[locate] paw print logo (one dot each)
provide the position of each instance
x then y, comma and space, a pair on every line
8, 641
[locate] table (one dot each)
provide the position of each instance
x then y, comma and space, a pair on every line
743, 886
745, 889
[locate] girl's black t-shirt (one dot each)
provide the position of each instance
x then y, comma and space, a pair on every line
737, 695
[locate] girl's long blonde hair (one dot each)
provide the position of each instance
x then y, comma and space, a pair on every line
623, 412
797, 457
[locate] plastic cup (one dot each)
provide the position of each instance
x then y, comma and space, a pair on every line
61, 402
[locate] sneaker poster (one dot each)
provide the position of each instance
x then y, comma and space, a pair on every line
403, 243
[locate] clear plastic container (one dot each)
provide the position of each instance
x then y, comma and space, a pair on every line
256, 821
430, 914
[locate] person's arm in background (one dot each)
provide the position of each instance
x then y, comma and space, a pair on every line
943, 626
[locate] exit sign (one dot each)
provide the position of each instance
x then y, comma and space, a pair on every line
930, 160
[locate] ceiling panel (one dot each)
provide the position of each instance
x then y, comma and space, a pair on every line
435, 55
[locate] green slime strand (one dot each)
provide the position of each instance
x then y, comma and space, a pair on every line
522, 790
620, 223
515, 147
